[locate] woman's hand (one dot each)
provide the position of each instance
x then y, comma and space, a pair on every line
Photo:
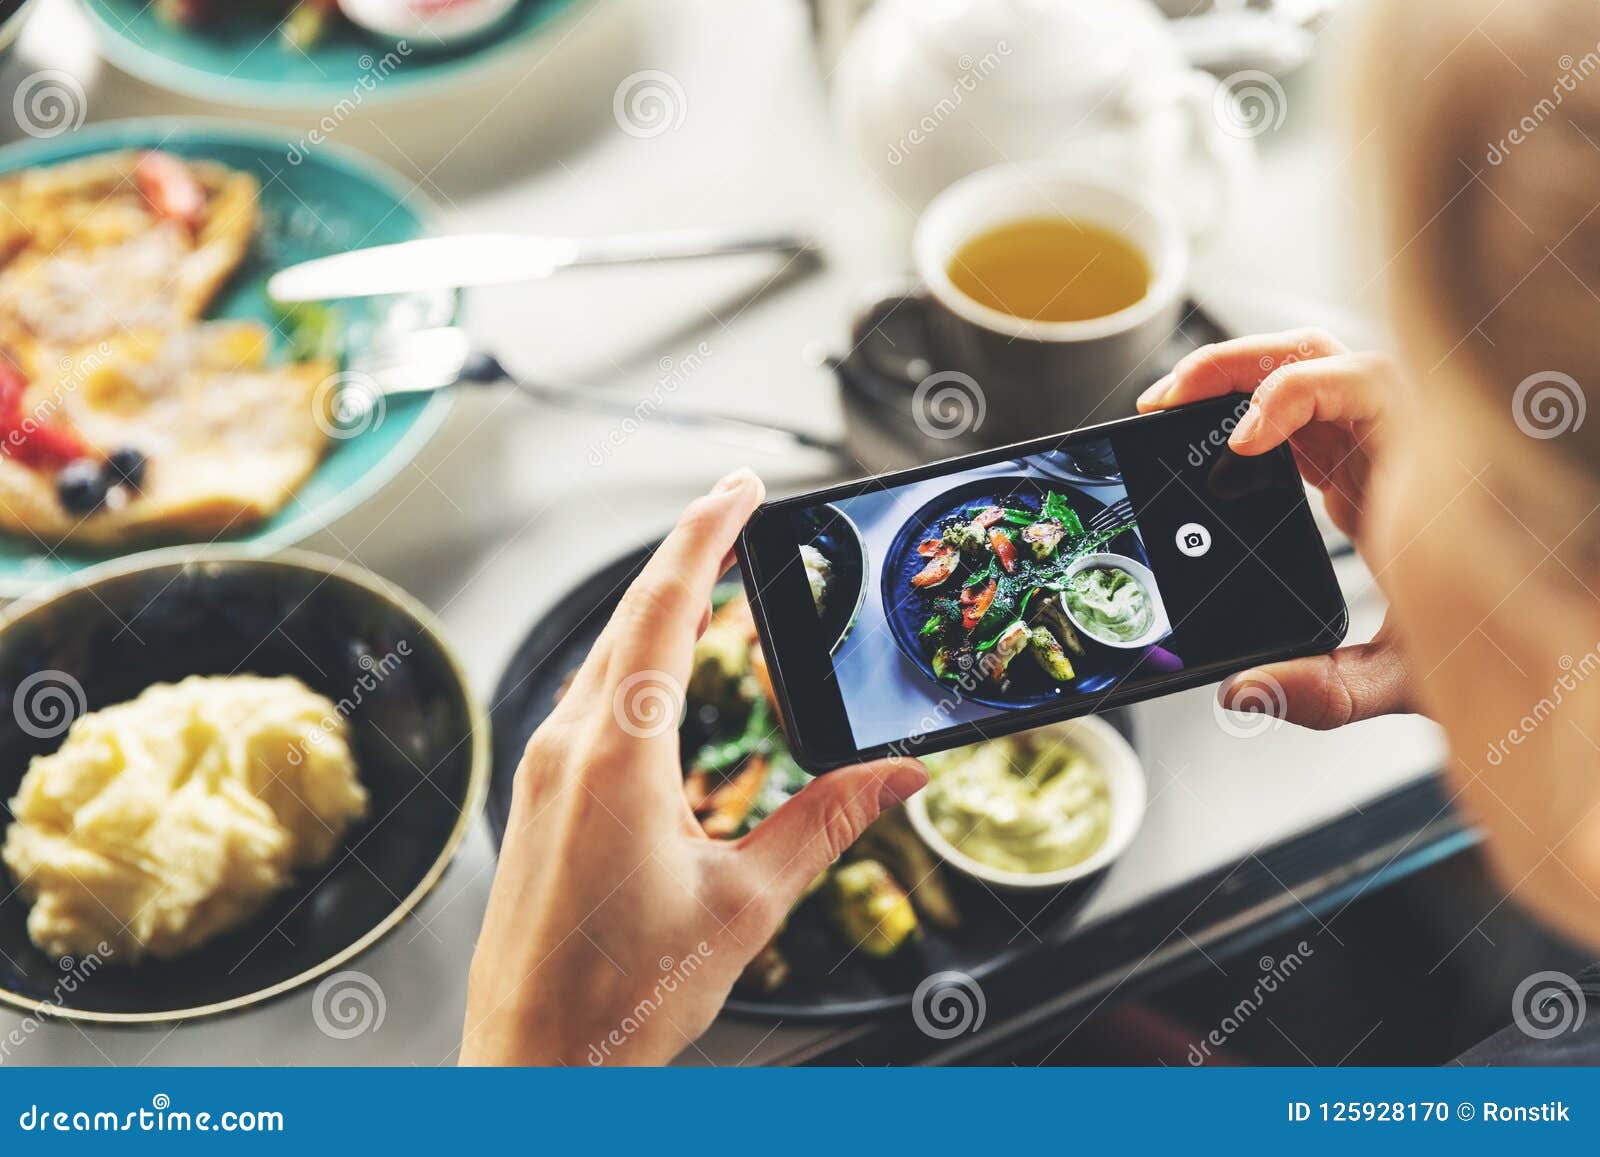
616, 927
1328, 404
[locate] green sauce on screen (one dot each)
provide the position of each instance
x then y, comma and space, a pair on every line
1109, 602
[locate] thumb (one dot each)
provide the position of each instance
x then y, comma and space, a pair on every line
1325, 691
796, 842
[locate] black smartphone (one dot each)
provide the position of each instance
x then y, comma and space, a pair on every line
982, 595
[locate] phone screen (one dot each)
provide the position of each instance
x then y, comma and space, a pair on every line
995, 592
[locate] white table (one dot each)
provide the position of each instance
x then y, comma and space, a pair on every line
474, 527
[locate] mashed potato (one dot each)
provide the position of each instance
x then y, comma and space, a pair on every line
167, 819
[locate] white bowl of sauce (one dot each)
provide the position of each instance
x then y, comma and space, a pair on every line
1035, 810
1114, 600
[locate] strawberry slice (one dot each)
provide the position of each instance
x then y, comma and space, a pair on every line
44, 446
169, 188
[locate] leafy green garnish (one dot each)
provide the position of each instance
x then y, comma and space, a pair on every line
758, 735
1057, 509
989, 570
313, 331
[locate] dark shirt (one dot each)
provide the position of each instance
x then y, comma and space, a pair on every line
1575, 1038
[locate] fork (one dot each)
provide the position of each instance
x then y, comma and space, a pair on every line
1110, 517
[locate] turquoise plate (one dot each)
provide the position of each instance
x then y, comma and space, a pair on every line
244, 62
329, 202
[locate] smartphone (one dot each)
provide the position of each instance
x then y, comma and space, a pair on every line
981, 595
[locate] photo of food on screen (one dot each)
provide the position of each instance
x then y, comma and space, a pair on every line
1011, 585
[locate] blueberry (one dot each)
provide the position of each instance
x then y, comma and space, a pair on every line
81, 485
126, 467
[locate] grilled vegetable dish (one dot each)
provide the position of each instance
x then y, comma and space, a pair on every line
738, 771
992, 587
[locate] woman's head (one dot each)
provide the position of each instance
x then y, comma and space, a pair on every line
1479, 136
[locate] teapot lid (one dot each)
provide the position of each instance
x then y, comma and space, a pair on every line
1032, 50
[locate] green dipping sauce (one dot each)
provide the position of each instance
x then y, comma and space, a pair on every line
1109, 603
1026, 803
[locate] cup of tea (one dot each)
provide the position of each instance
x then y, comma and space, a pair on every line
1054, 293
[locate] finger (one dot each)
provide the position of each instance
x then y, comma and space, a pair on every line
590, 678
1347, 388
656, 623
814, 828
1235, 366
1325, 691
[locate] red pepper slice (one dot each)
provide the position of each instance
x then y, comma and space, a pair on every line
975, 603
929, 547
1004, 550
940, 567
988, 516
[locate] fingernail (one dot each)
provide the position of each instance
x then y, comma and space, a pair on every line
1247, 425
1230, 687
901, 784
736, 480
1156, 392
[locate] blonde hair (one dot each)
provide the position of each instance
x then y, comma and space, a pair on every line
1484, 126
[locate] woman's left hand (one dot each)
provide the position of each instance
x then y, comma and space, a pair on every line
615, 926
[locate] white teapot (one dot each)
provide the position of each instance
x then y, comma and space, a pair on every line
931, 90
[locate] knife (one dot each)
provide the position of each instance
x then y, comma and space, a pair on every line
432, 263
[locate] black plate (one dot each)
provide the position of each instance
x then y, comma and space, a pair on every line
413, 730
826, 984
840, 543
907, 609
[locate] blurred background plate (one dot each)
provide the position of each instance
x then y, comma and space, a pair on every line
330, 201
242, 60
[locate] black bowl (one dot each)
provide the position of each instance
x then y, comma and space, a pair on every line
419, 739
839, 540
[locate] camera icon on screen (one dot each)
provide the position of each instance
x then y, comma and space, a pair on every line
1193, 539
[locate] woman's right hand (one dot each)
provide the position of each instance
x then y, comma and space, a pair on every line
1328, 404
